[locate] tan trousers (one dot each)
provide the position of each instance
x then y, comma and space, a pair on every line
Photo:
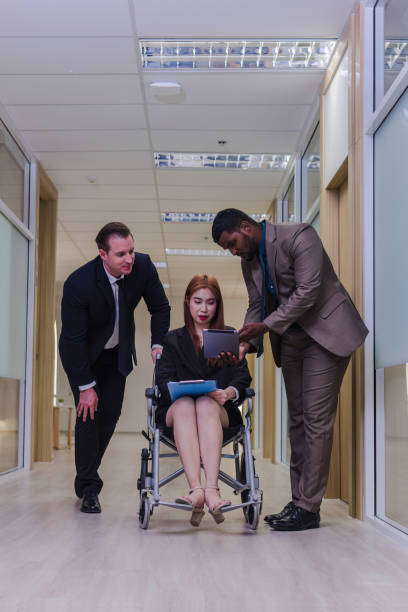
312, 377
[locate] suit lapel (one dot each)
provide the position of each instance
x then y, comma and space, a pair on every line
271, 252
104, 285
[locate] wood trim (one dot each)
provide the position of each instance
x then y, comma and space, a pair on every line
268, 402
44, 309
329, 215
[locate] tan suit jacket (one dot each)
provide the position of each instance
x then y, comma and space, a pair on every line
309, 291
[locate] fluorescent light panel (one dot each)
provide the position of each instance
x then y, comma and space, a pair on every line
202, 252
160, 264
236, 54
197, 217
237, 161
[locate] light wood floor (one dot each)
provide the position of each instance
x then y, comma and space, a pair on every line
54, 558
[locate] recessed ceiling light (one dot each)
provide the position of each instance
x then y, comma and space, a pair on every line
237, 161
197, 217
202, 252
236, 54
165, 89
92, 179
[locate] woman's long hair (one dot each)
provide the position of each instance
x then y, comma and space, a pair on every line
203, 281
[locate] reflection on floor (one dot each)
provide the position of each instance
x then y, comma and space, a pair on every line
55, 558
396, 481
8, 450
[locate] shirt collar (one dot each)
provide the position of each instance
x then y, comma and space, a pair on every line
112, 279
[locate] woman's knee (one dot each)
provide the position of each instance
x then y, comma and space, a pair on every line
206, 408
182, 408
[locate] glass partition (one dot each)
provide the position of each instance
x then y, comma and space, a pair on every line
395, 40
311, 179
13, 333
289, 203
13, 166
390, 320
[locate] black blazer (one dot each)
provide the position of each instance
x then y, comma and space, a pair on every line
88, 313
179, 361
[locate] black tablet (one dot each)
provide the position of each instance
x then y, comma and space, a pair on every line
216, 341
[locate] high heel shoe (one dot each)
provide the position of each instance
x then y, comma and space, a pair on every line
216, 509
197, 511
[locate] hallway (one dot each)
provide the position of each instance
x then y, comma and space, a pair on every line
58, 559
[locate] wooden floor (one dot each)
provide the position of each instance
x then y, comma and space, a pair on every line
56, 559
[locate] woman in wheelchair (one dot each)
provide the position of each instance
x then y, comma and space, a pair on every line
197, 422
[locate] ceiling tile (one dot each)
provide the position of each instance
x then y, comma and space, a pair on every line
70, 89
106, 216
96, 160
133, 192
222, 117
103, 177
114, 203
203, 205
67, 55
240, 88
73, 18
254, 141
76, 117
87, 140
215, 193
218, 177
266, 19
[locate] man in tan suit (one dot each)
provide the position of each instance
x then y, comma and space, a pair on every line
314, 327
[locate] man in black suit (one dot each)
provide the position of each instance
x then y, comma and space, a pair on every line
97, 344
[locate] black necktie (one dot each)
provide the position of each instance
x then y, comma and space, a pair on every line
125, 332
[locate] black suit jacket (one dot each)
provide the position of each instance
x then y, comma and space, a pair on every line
88, 313
179, 361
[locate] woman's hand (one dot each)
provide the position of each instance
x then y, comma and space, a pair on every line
222, 395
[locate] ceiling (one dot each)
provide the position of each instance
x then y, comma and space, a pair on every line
73, 90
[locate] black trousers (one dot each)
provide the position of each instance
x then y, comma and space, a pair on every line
92, 437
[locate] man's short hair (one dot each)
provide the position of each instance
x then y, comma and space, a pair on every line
229, 220
114, 228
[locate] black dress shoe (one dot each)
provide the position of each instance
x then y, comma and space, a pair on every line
298, 520
90, 503
269, 518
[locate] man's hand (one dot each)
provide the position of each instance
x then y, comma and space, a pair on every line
156, 351
252, 330
243, 349
88, 402
231, 359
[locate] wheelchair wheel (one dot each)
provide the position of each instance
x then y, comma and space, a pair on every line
252, 516
144, 512
242, 478
143, 469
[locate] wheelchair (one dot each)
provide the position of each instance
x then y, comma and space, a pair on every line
245, 484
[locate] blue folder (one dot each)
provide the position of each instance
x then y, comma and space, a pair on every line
190, 388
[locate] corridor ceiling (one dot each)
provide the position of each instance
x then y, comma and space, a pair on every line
73, 90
